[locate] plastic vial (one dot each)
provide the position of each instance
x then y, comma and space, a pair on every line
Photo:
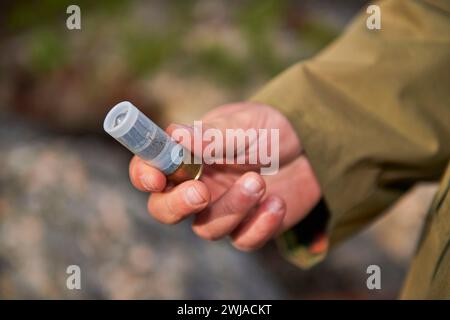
144, 138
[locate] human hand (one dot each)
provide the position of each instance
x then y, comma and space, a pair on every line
232, 199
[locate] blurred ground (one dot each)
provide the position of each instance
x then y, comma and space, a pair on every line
65, 197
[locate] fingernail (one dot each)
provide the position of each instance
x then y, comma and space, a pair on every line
252, 186
193, 197
274, 206
147, 182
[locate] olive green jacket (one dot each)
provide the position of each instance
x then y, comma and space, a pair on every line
373, 113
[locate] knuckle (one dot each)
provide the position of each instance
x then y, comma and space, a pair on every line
172, 219
169, 208
163, 216
231, 205
244, 247
205, 233
171, 215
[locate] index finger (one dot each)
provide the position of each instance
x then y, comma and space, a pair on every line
144, 177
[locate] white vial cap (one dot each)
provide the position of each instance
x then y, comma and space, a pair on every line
120, 119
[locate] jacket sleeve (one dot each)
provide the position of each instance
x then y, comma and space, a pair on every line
373, 113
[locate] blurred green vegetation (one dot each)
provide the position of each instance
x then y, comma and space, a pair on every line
22, 15
47, 51
257, 19
219, 63
148, 50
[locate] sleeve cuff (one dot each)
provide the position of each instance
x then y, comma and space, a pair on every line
306, 244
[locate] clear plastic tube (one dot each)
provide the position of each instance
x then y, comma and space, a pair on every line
144, 138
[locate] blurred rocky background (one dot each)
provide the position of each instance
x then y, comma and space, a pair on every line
65, 197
